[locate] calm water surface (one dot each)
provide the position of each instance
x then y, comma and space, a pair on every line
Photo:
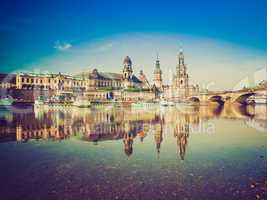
122, 153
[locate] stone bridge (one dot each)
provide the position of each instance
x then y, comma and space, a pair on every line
222, 97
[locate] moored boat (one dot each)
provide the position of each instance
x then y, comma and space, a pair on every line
82, 103
163, 102
170, 103
143, 105
38, 102
7, 101
260, 100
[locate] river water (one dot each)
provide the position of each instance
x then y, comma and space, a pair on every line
181, 152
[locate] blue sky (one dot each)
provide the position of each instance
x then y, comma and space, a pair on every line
33, 31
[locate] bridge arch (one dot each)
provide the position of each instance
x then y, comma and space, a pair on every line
242, 99
216, 98
194, 99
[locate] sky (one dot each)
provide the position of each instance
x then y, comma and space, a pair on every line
224, 41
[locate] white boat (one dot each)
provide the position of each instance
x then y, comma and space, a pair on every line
82, 103
170, 103
7, 101
164, 103
143, 105
38, 102
260, 100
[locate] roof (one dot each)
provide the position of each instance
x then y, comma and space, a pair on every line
112, 76
106, 76
100, 75
135, 79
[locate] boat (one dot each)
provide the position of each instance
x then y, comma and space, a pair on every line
163, 103
38, 102
166, 103
7, 101
143, 105
260, 100
82, 103
170, 103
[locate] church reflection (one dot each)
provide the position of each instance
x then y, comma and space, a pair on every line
181, 132
158, 124
122, 124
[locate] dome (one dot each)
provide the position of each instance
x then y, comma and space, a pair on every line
127, 60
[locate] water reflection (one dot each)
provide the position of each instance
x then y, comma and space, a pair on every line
124, 124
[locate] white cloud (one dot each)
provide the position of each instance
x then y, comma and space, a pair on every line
62, 46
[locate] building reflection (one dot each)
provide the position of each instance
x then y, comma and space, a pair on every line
122, 124
128, 143
159, 123
181, 132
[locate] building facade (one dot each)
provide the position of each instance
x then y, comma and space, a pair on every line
57, 82
93, 84
117, 86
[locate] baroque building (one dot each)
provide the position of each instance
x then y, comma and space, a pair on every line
105, 80
93, 84
180, 89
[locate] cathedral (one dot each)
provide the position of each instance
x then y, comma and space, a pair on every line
179, 88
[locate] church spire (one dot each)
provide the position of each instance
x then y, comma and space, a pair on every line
157, 62
181, 57
157, 74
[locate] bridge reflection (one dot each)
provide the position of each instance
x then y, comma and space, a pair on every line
123, 124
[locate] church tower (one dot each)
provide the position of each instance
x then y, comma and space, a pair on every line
127, 72
181, 72
127, 68
157, 75
181, 78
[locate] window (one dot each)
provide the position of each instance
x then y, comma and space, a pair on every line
22, 80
